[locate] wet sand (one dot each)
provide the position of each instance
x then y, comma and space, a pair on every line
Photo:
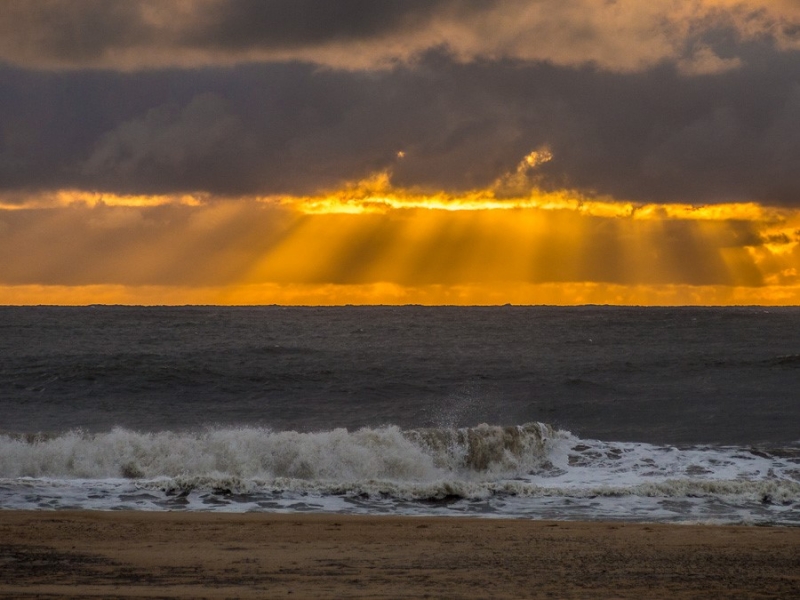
84, 554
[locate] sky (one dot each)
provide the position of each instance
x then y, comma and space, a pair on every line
400, 151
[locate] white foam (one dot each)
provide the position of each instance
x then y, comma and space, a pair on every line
385, 452
530, 470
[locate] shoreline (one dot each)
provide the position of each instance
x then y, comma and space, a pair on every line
119, 554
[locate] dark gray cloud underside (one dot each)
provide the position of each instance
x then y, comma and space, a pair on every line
272, 24
83, 30
291, 128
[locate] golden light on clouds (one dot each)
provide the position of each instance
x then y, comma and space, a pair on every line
165, 158
376, 195
373, 243
64, 198
623, 35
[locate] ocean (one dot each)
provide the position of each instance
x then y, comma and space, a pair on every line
595, 413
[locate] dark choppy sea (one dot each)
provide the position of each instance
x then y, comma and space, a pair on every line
655, 414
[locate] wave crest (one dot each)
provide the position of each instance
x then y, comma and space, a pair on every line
386, 453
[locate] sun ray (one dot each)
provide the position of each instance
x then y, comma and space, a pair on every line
372, 242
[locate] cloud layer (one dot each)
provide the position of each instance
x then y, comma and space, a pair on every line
668, 100
656, 135
249, 242
194, 144
355, 34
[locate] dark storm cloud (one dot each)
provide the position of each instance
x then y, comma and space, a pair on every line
194, 146
655, 135
142, 33
40, 30
622, 35
280, 24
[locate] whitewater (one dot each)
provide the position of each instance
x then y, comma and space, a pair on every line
595, 413
531, 470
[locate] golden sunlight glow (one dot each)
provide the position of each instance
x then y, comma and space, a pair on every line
492, 247
372, 243
376, 195
385, 293
90, 198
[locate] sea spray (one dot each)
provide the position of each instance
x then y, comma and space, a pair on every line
485, 447
337, 455
530, 470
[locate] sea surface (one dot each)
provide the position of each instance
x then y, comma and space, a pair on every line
612, 413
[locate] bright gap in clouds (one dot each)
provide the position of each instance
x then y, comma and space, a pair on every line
373, 243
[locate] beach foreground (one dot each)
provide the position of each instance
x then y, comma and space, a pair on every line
201, 555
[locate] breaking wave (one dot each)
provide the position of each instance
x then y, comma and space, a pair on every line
525, 470
338, 455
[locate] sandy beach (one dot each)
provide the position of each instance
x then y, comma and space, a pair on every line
200, 555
